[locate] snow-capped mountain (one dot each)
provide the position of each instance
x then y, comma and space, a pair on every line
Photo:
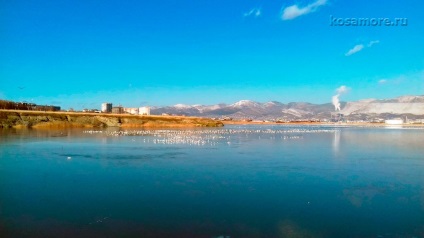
249, 109
244, 109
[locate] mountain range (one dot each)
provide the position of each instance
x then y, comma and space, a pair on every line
412, 106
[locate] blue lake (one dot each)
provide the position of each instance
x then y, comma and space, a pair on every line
236, 181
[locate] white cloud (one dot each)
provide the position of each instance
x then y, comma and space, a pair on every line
411, 78
396, 80
294, 11
373, 42
382, 81
355, 49
342, 89
360, 47
255, 12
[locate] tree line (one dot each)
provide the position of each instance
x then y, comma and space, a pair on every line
26, 106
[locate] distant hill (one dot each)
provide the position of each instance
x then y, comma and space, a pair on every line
253, 110
246, 109
401, 105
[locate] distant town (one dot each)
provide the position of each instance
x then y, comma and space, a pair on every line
105, 108
109, 108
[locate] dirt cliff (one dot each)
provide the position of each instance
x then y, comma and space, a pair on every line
35, 119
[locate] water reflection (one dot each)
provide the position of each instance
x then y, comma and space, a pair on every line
336, 142
360, 195
267, 182
289, 229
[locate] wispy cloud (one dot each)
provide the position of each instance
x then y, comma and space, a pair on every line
410, 78
294, 11
382, 81
396, 80
342, 89
355, 49
360, 47
254, 12
373, 42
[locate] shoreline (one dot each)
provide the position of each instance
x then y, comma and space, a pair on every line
48, 119
56, 120
364, 124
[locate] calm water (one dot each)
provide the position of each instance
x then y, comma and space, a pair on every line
237, 181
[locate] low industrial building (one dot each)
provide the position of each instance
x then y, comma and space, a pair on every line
395, 121
144, 111
107, 108
117, 110
131, 110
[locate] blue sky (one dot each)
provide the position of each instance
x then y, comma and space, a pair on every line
81, 53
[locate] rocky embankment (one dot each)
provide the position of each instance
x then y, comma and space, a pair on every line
36, 119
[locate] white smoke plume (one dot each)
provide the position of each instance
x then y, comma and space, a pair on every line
335, 99
336, 102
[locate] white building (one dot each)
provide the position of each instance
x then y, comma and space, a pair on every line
396, 121
131, 110
107, 107
144, 111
